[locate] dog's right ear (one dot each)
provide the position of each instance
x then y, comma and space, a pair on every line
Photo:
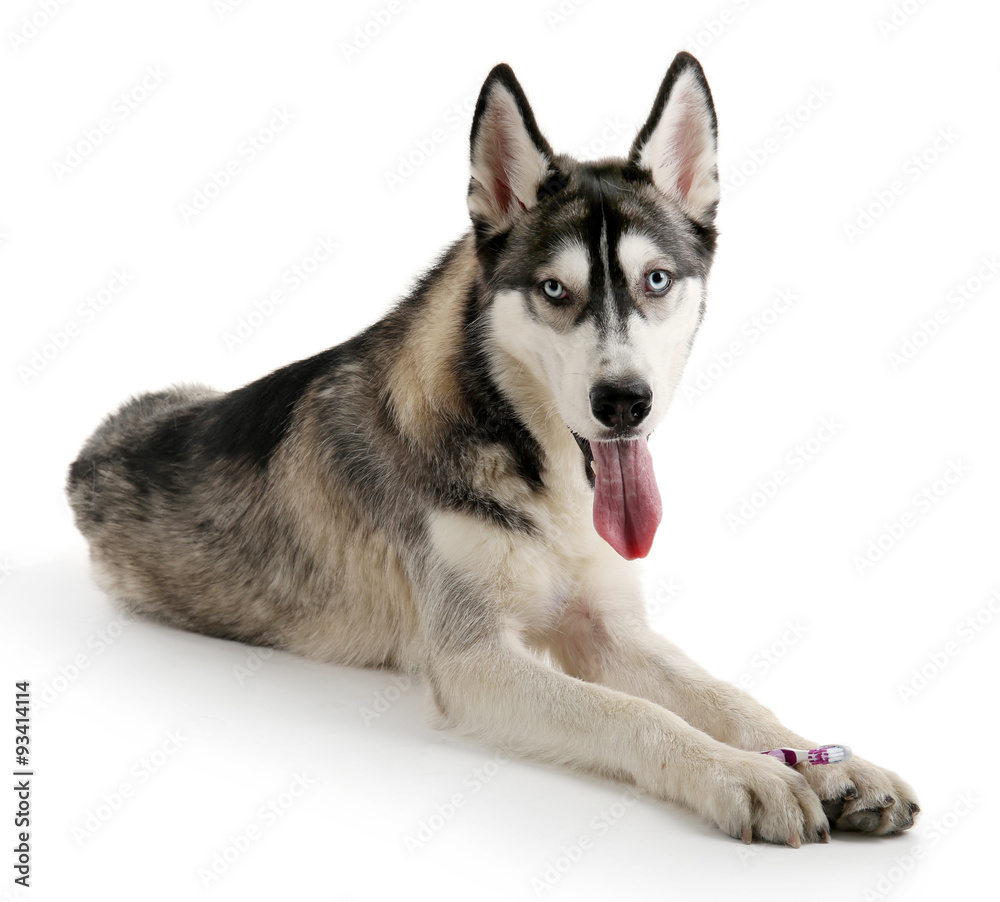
510, 158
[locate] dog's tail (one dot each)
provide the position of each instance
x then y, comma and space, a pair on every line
98, 461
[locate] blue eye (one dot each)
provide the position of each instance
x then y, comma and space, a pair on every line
554, 290
658, 281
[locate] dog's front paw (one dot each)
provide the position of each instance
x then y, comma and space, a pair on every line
860, 796
757, 797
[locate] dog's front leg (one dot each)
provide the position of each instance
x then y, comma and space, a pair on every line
614, 646
487, 683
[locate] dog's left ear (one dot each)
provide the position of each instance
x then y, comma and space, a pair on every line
510, 158
678, 143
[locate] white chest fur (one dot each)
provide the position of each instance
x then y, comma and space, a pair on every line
532, 578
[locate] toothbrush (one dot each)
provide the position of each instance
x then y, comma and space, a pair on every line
825, 754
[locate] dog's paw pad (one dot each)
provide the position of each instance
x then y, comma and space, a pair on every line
865, 798
834, 808
865, 820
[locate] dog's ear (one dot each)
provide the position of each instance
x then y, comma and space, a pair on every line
678, 143
510, 158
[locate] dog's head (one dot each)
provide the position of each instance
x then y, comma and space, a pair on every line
596, 273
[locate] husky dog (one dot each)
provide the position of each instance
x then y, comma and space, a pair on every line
458, 490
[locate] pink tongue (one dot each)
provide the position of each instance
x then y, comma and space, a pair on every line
627, 507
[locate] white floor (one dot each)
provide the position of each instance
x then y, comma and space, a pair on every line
172, 766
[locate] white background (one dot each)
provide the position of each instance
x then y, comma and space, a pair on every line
780, 600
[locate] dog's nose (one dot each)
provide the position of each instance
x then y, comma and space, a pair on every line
621, 406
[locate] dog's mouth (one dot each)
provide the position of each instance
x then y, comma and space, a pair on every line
627, 506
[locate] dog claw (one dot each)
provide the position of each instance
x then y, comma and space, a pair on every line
747, 835
795, 841
824, 835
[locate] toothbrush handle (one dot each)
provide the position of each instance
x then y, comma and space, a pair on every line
786, 756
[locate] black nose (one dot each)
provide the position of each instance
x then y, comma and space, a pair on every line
621, 406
